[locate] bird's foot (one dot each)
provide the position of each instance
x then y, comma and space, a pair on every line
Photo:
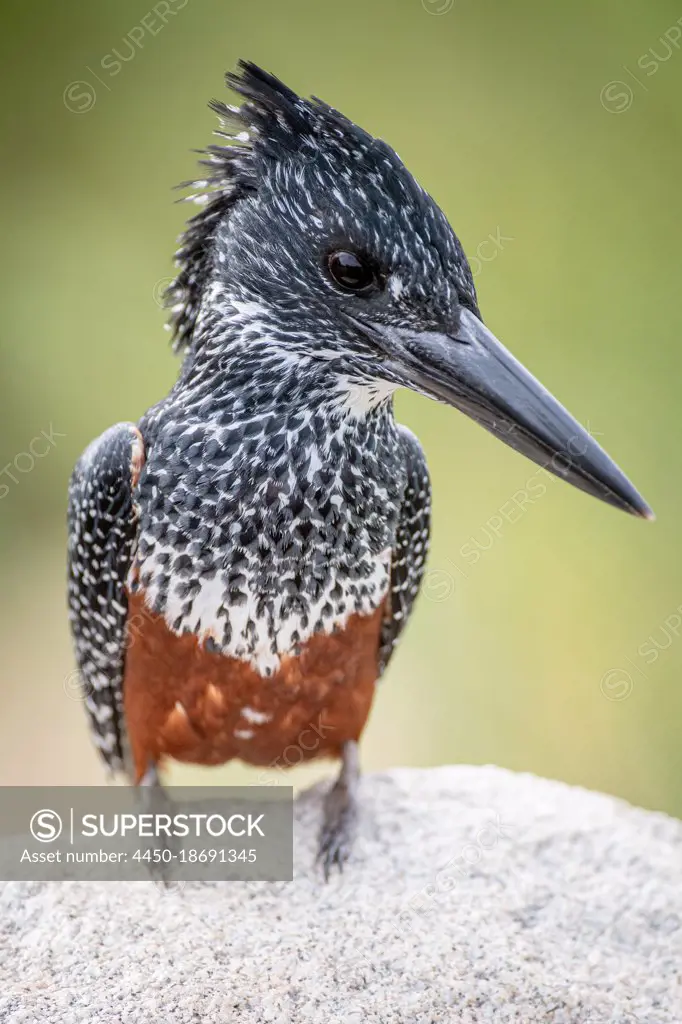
340, 814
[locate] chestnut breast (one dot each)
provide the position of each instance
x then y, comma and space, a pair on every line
197, 705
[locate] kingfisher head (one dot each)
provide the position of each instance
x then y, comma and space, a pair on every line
315, 250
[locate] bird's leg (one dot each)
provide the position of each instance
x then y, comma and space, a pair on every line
151, 777
154, 798
341, 812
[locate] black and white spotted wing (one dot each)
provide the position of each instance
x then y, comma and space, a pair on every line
102, 530
412, 545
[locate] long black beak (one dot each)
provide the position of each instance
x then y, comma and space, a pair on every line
475, 373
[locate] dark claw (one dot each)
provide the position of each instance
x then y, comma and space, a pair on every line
336, 839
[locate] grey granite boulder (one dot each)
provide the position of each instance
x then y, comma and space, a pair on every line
474, 895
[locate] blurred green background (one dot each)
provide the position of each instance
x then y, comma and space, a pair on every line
548, 639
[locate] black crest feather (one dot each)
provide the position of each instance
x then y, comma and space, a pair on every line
272, 123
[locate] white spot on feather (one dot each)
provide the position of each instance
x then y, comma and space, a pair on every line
254, 716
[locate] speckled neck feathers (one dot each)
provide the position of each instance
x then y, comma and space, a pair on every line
268, 505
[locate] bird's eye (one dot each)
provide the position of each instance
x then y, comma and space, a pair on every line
351, 272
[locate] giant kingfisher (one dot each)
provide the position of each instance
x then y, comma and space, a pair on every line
243, 561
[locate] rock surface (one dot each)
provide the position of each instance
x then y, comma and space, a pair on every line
474, 895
